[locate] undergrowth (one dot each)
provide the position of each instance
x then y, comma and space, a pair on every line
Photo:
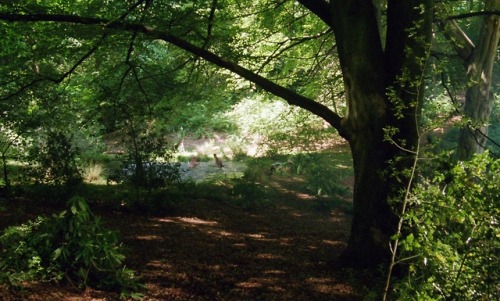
72, 246
452, 246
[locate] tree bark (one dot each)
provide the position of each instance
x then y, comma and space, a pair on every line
478, 98
362, 60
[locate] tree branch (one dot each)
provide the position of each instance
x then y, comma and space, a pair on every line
130, 10
292, 43
474, 14
288, 95
211, 18
459, 39
320, 8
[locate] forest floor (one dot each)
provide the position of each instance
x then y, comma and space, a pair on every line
219, 251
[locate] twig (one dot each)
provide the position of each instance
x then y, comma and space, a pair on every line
406, 200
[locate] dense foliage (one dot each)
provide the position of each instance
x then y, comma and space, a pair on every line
453, 249
54, 160
70, 246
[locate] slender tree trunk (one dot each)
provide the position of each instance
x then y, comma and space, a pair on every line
5, 173
478, 98
5, 169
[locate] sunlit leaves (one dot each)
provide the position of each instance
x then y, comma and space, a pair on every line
279, 39
454, 233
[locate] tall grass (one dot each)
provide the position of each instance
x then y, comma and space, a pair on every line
93, 172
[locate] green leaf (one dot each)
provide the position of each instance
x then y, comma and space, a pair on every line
57, 253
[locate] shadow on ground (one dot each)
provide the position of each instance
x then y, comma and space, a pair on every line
218, 251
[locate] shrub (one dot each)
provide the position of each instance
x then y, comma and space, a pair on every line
70, 246
55, 161
251, 195
453, 248
321, 178
153, 175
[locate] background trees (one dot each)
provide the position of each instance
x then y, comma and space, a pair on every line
478, 56
140, 61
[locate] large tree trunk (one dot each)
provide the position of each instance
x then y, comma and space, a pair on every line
374, 221
370, 72
478, 98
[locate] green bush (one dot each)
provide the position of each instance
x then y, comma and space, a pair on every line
54, 161
153, 175
322, 178
70, 246
51, 194
453, 247
251, 195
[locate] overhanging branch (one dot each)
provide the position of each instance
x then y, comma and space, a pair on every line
462, 44
288, 95
474, 14
320, 8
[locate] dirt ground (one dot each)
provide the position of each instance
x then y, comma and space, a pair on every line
218, 251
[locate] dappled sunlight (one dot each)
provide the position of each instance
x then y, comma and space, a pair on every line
298, 195
186, 220
159, 264
240, 245
197, 221
282, 187
212, 249
269, 256
253, 254
255, 236
250, 284
274, 272
304, 196
329, 286
221, 233
271, 283
343, 166
148, 237
337, 216
333, 243
221, 267
285, 242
